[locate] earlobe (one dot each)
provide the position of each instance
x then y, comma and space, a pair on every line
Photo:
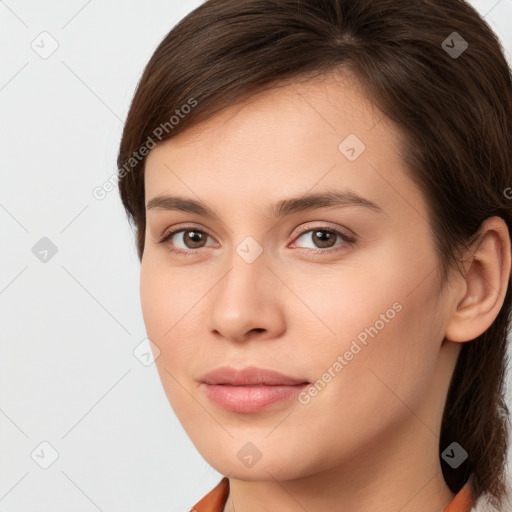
487, 276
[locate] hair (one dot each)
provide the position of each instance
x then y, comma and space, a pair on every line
454, 114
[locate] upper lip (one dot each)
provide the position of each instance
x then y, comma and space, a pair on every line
251, 375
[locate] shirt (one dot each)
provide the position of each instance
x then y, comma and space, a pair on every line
215, 500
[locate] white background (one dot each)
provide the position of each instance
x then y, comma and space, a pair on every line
69, 326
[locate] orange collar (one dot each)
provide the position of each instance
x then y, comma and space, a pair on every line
216, 499
462, 501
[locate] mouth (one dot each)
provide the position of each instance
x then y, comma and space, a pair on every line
251, 389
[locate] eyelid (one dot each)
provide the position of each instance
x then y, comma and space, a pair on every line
308, 226
324, 226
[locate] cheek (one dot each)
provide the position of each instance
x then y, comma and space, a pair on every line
155, 299
379, 334
165, 300
167, 306
389, 348
366, 398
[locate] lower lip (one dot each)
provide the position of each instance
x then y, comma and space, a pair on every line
249, 398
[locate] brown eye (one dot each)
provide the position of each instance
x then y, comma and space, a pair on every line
194, 239
185, 240
323, 238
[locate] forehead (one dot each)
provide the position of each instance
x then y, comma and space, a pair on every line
298, 136
335, 100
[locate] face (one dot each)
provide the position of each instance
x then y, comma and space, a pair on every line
338, 291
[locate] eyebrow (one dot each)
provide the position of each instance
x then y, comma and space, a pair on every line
288, 206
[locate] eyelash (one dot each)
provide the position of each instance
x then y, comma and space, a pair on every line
348, 240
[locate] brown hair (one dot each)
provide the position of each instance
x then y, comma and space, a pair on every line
453, 109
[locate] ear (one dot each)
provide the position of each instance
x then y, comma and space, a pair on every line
480, 293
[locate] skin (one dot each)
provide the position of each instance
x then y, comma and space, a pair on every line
369, 439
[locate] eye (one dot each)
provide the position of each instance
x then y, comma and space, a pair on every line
191, 237
325, 239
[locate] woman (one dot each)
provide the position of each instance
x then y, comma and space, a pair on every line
319, 190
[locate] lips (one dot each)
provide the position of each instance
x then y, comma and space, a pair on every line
251, 389
250, 376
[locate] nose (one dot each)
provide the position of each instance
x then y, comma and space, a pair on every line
246, 303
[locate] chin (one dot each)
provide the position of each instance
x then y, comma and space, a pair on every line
272, 464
